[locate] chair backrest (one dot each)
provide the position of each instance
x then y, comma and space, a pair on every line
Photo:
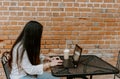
4, 59
118, 65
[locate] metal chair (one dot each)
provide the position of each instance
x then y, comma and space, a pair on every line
4, 60
118, 66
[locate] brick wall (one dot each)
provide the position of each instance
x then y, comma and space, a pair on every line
93, 24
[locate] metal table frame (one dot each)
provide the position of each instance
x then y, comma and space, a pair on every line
89, 65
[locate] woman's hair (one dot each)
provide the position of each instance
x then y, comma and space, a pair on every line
30, 38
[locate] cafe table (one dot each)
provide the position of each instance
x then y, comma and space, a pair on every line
89, 65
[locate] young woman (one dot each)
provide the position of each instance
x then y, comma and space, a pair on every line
26, 58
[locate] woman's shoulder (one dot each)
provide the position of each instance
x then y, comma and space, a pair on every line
18, 46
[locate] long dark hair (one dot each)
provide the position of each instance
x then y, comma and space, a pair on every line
30, 38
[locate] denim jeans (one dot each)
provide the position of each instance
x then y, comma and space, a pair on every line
45, 75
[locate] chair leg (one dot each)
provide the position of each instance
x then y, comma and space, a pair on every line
90, 76
114, 76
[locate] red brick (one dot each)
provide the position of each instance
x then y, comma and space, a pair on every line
8, 42
14, 8
28, 9
118, 1
3, 8
96, 0
3, 37
109, 1
56, 29
96, 29
7, 47
109, 19
43, 9
68, 4
57, 19
68, 0
111, 10
36, 4
6, 4
51, 46
56, 9
27, 3
81, 0
72, 9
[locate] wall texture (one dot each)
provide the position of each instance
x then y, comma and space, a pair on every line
93, 24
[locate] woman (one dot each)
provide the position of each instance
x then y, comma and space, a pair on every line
26, 59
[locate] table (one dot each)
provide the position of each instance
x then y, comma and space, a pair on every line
89, 65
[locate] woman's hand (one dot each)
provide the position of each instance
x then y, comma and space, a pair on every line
52, 58
47, 58
55, 58
55, 62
